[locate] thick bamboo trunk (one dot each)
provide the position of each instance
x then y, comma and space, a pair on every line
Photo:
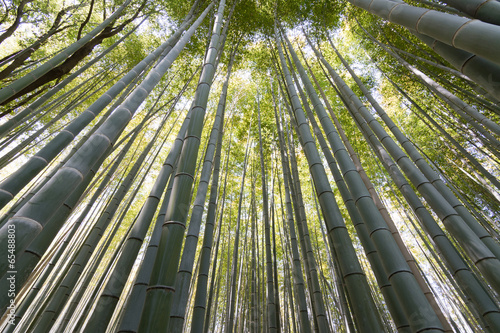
60, 296
481, 255
396, 267
482, 301
356, 219
484, 72
154, 316
473, 36
458, 268
131, 313
484, 10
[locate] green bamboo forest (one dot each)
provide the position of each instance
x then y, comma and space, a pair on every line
250, 166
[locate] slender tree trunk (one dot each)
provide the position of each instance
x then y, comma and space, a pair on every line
19, 84
273, 323
474, 290
19, 14
303, 228
234, 267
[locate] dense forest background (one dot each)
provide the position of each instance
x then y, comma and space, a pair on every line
250, 166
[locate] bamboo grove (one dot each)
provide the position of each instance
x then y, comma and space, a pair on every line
250, 166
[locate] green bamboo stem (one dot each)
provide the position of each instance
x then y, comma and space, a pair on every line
111, 293
298, 277
432, 63
59, 298
253, 296
479, 253
458, 268
234, 263
36, 249
380, 206
472, 96
184, 273
472, 36
383, 211
68, 255
424, 167
484, 10
63, 101
27, 261
472, 116
10, 155
317, 301
209, 297
161, 286
273, 323
80, 298
275, 259
22, 201
314, 296
289, 304
129, 320
454, 143
200, 298
484, 72
342, 303
442, 8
